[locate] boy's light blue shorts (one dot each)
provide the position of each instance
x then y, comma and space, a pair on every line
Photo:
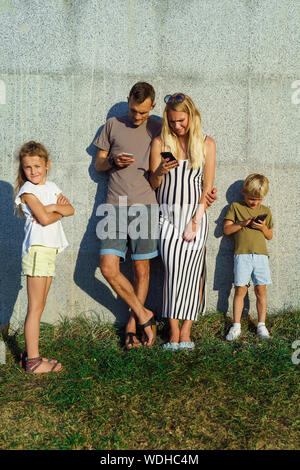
251, 266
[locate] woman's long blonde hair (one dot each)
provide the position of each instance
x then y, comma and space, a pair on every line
32, 149
196, 147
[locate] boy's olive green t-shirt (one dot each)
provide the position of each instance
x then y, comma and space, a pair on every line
249, 240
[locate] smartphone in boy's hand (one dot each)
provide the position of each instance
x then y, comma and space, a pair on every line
260, 218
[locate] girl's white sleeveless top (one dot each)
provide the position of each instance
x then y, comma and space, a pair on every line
36, 234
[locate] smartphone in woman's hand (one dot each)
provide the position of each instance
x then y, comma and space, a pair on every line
168, 156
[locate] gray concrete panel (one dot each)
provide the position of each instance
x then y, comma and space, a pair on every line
66, 67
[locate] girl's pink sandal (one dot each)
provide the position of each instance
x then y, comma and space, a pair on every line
33, 363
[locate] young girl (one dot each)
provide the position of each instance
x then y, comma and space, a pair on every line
43, 205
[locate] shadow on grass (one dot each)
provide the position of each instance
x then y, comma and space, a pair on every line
12, 344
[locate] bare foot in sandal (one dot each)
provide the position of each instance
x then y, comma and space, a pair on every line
149, 327
131, 340
36, 365
23, 357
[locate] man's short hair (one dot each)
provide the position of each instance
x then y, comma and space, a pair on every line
141, 91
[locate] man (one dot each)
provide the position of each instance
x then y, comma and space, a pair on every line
128, 177
124, 147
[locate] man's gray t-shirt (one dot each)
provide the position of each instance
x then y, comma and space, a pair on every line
120, 135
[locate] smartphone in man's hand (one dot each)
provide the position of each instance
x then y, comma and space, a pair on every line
127, 154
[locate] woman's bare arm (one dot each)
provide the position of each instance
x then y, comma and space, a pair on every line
208, 176
158, 166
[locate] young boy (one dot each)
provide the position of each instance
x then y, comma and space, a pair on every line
251, 224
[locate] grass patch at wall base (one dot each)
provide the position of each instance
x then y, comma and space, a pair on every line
239, 395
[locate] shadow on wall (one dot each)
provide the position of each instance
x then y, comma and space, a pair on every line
88, 256
223, 277
11, 239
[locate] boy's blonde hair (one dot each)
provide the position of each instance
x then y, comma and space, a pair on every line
256, 185
196, 148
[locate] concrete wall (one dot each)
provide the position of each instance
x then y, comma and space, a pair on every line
66, 66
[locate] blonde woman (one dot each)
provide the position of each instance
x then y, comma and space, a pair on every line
184, 186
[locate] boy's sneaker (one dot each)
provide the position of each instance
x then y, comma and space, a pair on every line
262, 331
233, 333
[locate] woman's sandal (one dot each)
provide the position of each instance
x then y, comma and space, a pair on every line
33, 363
186, 346
171, 346
131, 343
151, 323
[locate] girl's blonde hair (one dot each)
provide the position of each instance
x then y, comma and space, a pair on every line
256, 185
196, 147
30, 149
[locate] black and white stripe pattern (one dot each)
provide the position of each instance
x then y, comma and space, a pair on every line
179, 196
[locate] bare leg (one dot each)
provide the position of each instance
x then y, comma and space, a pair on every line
174, 330
47, 287
110, 268
141, 269
238, 302
261, 302
185, 331
37, 290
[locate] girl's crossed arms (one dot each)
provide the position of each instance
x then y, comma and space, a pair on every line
48, 214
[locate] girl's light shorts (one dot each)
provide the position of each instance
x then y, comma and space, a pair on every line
251, 266
39, 261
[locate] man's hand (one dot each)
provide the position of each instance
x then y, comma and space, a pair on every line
211, 197
123, 160
190, 231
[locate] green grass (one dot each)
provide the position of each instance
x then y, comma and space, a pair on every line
241, 395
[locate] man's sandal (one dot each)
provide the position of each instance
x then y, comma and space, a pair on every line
33, 363
151, 323
131, 344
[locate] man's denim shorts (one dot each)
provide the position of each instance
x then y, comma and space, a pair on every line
135, 226
251, 266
